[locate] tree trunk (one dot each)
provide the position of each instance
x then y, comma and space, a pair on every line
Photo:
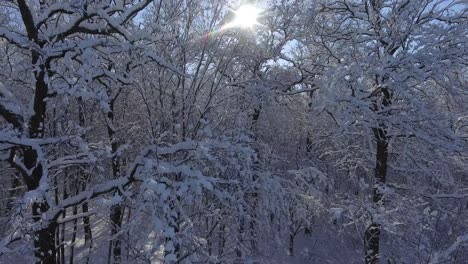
128, 233
209, 240
254, 198
291, 244
75, 228
116, 224
84, 207
64, 225
116, 209
372, 240
44, 237
222, 240
240, 239
88, 234
372, 234
175, 224
292, 234
44, 241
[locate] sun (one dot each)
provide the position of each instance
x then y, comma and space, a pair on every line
246, 16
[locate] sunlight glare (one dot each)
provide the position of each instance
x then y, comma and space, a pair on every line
246, 16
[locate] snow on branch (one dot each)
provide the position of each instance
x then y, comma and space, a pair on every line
10, 108
182, 146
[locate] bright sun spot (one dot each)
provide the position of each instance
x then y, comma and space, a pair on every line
246, 16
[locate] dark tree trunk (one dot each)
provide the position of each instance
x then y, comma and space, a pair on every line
372, 240
372, 235
63, 227
84, 207
209, 240
88, 235
291, 244
292, 234
115, 216
255, 194
309, 142
44, 242
175, 218
44, 237
45, 249
116, 224
222, 240
62, 240
128, 232
73, 240
241, 239
373, 232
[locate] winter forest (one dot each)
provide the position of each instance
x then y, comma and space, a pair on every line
230, 131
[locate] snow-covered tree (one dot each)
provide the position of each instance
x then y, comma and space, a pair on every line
205, 131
